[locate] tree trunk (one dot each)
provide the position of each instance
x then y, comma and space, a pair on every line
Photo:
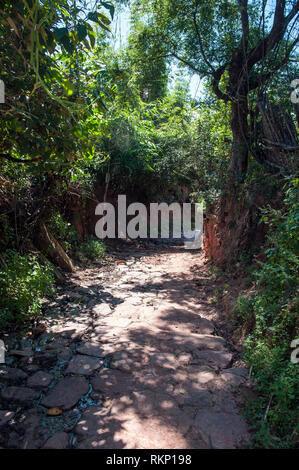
48, 243
240, 132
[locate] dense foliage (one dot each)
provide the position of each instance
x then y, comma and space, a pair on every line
83, 119
24, 281
273, 309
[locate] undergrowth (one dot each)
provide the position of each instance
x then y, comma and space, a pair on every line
272, 307
24, 281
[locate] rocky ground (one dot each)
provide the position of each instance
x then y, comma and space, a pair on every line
129, 358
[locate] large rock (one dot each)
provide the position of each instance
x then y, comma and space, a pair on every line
46, 359
234, 376
221, 430
200, 374
91, 349
170, 317
12, 375
60, 440
91, 421
19, 395
126, 430
40, 380
101, 309
216, 343
112, 382
66, 393
164, 363
34, 434
191, 396
219, 359
128, 361
83, 365
127, 310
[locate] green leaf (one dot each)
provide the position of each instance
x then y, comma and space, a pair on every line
67, 44
93, 16
104, 19
82, 31
109, 7
69, 87
98, 18
60, 33
104, 26
92, 37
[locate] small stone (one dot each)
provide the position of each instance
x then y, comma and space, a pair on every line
12, 375
19, 395
40, 380
21, 353
54, 412
66, 393
83, 365
60, 440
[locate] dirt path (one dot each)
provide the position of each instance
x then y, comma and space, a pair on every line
130, 359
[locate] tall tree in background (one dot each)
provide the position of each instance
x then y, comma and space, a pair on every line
239, 45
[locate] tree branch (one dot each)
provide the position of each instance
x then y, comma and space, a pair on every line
185, 62
245, 25
260, 79
280, 24
215, 84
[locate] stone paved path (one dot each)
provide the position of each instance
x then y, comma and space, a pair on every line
129, 359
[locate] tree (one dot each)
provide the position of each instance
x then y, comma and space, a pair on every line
44, 45
239, 45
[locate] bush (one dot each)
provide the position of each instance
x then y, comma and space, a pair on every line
93, 248
274, 308
64, 232
23, 284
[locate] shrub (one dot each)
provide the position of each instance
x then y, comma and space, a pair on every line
274, 307
93, 248
23, 284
